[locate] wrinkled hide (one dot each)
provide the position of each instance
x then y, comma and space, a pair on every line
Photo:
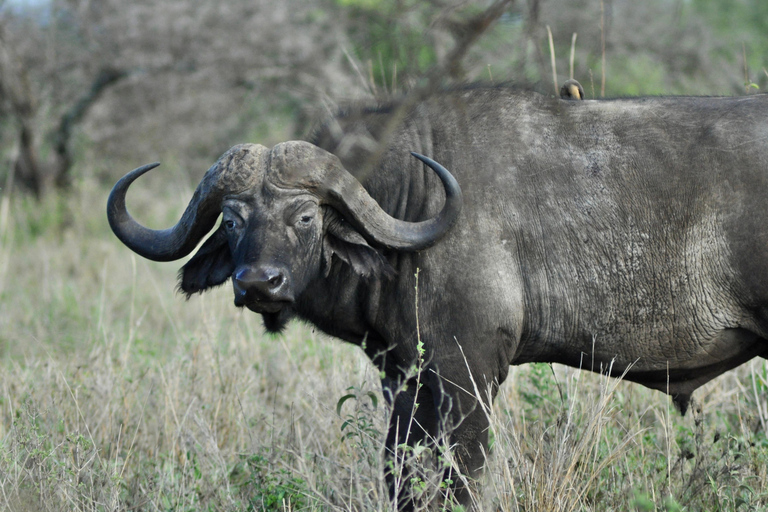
625, 234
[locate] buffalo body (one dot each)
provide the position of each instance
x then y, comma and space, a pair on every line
628, 234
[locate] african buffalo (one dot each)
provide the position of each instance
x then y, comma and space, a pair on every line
630, 230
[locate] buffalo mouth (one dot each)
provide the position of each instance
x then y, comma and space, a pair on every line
260, 306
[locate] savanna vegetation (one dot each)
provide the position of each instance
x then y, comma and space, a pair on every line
117, 394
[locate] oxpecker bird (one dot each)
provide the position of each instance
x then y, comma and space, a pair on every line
572, 90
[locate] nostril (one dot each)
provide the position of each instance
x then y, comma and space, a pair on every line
275, 281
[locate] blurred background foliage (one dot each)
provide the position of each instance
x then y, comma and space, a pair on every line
93, 340
90, 89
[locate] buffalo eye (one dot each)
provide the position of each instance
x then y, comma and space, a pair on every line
302, 215
232, 219
230, 223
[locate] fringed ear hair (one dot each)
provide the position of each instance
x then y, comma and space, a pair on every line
350, 247
210, 267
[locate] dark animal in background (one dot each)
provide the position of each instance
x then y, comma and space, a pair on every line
631, 232
572, 90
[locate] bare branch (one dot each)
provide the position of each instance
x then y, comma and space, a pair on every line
106, 78
466, 35
552, 59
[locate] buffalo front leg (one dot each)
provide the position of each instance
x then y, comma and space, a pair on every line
464, 423
413, 429
428, 418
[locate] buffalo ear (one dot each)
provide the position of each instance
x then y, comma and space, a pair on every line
211, 266
349, 246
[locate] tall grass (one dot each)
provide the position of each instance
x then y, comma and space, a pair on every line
117, 394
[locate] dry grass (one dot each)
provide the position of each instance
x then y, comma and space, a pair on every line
119, 395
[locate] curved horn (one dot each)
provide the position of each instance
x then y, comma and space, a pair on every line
304, 164
235, 171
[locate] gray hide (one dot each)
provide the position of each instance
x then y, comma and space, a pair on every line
629, 235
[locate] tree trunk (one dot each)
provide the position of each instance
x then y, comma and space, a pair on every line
32, 173
26, 168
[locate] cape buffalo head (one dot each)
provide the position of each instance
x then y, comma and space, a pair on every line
285, 212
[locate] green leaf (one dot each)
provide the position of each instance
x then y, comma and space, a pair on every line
341, 401
374, 399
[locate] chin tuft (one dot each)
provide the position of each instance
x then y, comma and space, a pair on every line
275, 322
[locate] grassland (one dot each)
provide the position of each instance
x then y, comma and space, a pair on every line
117, 394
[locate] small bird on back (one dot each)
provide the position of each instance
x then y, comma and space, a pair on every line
572, 90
